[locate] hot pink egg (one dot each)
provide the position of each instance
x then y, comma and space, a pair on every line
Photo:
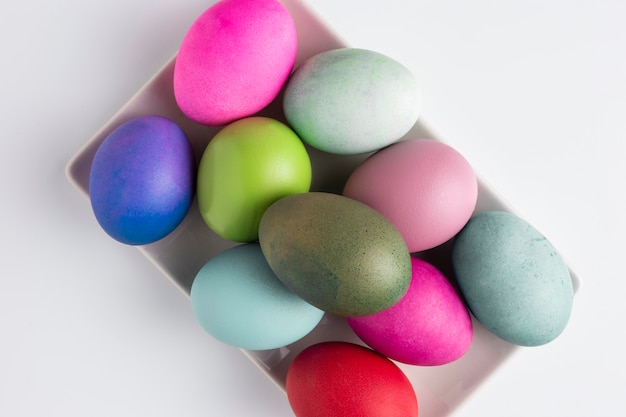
234, 60
426, 188
429, 326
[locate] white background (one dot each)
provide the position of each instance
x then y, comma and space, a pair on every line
532, 92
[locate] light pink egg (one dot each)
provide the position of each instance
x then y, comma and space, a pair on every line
234, 60
429, 326
426, 188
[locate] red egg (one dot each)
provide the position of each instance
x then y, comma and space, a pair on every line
341, 379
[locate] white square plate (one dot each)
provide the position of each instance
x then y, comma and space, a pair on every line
180, 255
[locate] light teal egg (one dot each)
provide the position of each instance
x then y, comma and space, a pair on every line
351, 101
514, 281
238, 300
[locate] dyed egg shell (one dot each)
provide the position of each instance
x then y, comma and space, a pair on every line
238, 300
247, 166
336, 253
513, 279
234, 60
141, 182
351, 101
426, 188
430, 325
339, 379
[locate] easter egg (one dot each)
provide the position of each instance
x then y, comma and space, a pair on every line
351, 101
512, 278
141, 181
234, 60
340, 379
429, 326
238, 300
247, 166
338, 254
426, 188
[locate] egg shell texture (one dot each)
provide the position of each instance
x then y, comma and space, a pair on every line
339, 379
351, 101
426, 188
142, 180
238, 300
247, 166
234, 60
336, 253
512, 278
429, 326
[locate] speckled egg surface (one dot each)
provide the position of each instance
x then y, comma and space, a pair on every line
426, 188
429, 326
350, 101
234, 60
248, 165
142, 180
238, 300
512, 278
336, 253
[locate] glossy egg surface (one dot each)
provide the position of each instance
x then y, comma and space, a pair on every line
339, 379
247, 166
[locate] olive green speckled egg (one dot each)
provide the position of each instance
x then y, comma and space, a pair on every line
336, 253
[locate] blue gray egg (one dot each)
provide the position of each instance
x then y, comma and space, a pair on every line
513, 280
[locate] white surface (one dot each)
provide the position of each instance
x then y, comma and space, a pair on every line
532, 93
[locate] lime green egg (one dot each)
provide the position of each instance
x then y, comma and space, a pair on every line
336, 253
247, 166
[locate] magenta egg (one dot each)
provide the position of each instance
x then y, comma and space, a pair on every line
234, 60
429, 326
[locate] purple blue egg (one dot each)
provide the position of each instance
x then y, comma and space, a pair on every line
142, 180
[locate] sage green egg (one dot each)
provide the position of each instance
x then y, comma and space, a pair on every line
351, 101
248, 165
512, 278
336, 253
